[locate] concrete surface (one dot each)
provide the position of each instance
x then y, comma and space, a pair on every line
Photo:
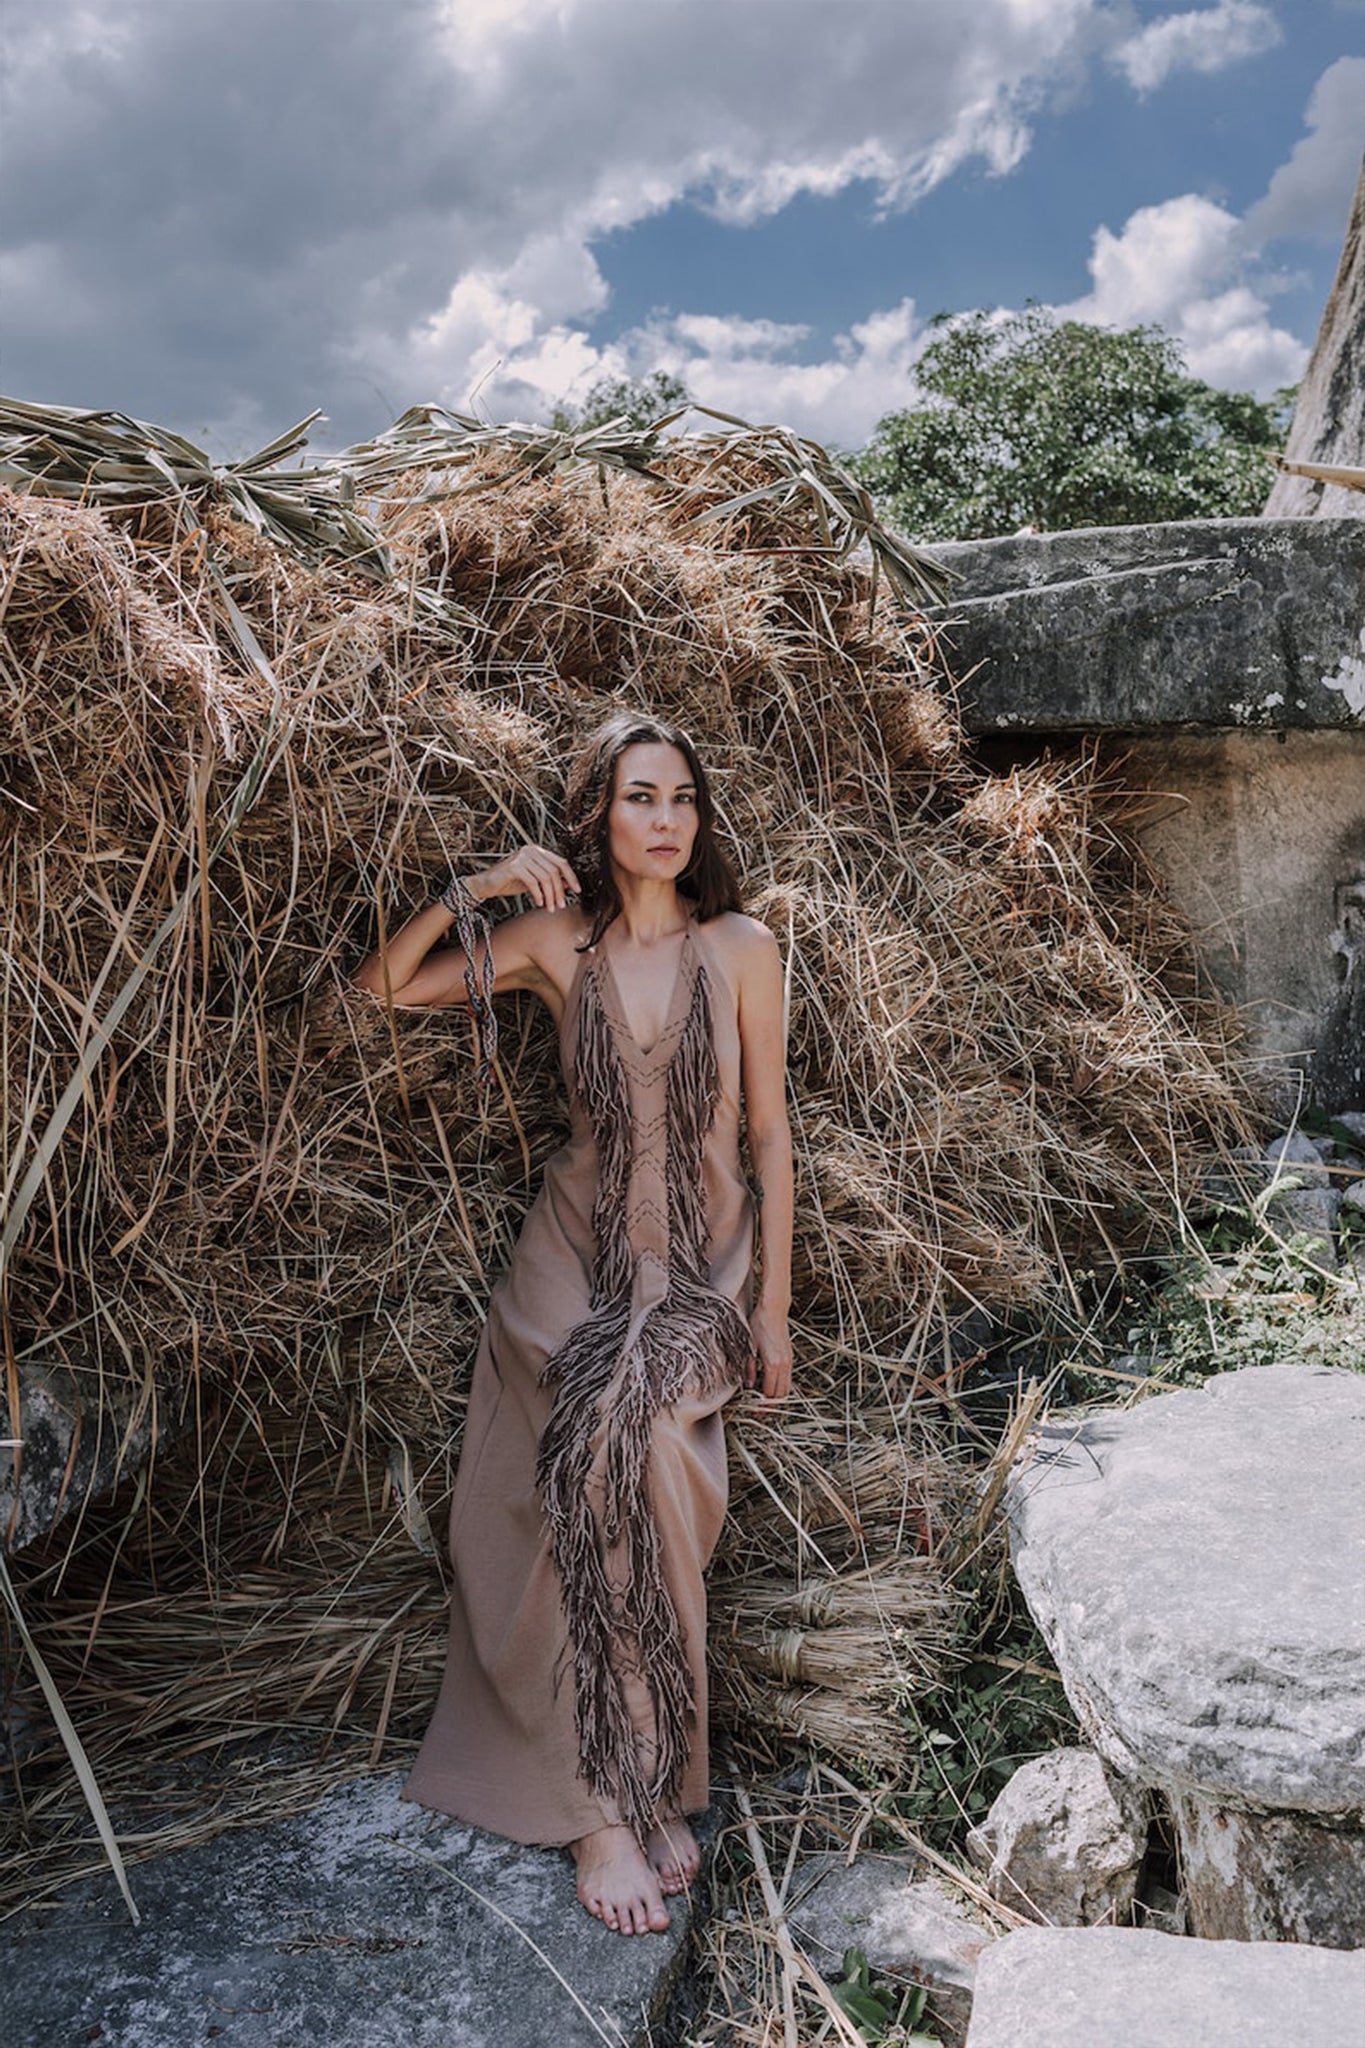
1259, 837
362, 1923
1121, 1987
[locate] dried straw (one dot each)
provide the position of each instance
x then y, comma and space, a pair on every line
244, 1196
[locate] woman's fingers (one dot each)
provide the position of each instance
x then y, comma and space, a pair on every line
534, 871
548, 876
777, 1381
769, 1369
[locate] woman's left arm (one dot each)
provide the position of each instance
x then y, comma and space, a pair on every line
763, 1052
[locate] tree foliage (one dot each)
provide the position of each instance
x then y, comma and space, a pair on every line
637, 400
1027, 421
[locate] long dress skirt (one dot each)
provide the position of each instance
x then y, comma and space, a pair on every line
592, 1480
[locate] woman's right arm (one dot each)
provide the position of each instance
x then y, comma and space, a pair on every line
409, 971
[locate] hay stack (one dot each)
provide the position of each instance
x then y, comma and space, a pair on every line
239, 1186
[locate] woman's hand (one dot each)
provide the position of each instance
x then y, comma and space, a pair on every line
770, 1367
531, 871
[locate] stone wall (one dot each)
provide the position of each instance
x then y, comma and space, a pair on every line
1220, 664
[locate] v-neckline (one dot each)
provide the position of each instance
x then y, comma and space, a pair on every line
673, 1013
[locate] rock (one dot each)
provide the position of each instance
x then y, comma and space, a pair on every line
1162, 1910
1338, 1066
1064, 1841
1269, 1877
1212, 623
1297, 1157
73, 1449
1308, 1205
1353, 1198
1195, 1565
1122, 1987
1310, 1214
908, 1927
1328, 426
1354, 1120
362, 1923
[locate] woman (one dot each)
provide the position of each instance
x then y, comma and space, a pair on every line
591, 1486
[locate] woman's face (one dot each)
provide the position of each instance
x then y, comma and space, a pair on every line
652, 820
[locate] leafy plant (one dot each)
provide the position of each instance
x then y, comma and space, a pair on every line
1260, 1302
1002, 1706
1024, 421
637, 401
886, 2014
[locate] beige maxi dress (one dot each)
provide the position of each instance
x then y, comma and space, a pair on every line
592, 1481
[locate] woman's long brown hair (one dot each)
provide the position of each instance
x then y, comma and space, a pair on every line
708, 881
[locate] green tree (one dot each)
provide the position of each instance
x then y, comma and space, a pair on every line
1025, 420
640, 400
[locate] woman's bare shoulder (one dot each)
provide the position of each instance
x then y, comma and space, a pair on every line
552, 940
743, 939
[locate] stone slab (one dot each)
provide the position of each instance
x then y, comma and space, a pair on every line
1203, 623
1197, 1565
1122, 1987
360, 1924
1269, 1877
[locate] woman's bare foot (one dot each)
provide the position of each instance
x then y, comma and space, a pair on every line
673, 1853
617, 1882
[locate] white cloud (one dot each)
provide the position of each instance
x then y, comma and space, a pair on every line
1196, 269
838, 398
495, 350
350, 210
734, 339
409, 206
1311, 193
1206, 39
1180, 265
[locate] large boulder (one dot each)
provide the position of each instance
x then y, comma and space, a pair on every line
1329, 414
1061, 1987
1195, 1565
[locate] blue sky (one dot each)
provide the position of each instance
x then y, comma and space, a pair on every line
221, 213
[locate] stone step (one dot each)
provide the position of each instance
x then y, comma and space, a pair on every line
360, 1923
1122, 1987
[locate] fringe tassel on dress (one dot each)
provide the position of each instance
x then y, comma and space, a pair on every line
611, 1377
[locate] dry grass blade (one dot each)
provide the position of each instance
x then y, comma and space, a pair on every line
106, 458
71, 1741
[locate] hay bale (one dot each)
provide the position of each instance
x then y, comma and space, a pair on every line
227, 769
